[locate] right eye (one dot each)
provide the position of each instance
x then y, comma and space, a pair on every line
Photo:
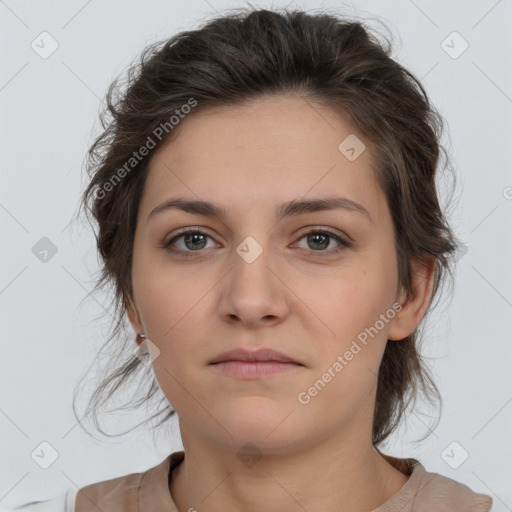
193, 239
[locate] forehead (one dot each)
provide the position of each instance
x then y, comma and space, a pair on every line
272, 149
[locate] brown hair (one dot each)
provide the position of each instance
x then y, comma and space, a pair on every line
248, 54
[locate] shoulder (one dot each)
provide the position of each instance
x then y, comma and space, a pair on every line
427, 491
438, 492
127, 493
121, 491
124, 493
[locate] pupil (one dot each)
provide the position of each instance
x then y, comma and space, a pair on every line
321, 236
192, 236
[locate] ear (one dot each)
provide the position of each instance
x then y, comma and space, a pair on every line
133, 316
415, 304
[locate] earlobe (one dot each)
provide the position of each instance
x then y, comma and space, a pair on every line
415, 304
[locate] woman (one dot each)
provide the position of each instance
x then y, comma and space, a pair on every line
268, 215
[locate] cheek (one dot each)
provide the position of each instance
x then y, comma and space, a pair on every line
356, 308
168, 297
346, 398
349, 301
172, 309
175, 333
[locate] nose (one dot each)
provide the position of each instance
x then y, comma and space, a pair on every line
253, 292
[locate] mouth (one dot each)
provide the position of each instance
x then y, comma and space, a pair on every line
266, 355
254, 369
245, 364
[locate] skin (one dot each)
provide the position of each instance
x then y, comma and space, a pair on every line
301, 298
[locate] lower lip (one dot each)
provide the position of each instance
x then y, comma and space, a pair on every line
255, 369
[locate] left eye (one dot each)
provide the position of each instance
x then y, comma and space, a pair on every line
195, 240
322, 237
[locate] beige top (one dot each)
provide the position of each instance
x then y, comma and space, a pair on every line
149, 491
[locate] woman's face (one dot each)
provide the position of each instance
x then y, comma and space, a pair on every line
254, 278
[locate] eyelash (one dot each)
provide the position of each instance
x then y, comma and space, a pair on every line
344, 244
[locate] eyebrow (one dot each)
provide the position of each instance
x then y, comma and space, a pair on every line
288, 209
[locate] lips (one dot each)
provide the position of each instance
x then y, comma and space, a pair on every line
262, 354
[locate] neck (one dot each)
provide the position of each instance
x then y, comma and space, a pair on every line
320, 477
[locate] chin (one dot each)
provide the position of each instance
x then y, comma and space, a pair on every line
270, 432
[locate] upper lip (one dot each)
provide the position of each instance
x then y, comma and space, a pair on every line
262, 354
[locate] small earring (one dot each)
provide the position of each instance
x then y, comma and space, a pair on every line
142, 335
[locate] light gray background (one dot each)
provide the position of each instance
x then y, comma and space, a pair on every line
49, 114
